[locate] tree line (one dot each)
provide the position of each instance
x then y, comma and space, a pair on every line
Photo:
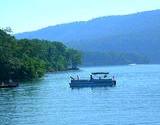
113, 58
26, 59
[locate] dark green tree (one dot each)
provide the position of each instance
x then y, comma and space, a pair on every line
28, 59
74, 58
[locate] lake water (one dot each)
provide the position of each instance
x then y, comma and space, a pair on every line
50, 101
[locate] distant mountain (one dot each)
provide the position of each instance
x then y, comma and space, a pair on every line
138, 34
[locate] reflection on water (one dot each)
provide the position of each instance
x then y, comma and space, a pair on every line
134, 100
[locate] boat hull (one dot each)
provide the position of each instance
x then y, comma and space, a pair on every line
9, 85
92, 83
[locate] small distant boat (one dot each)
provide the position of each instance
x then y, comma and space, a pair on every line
9, 85
133, 64
97, 79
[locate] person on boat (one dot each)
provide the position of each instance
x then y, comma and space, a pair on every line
77, 77
91, 77
113, 78
71, 78
10, 81
2, 83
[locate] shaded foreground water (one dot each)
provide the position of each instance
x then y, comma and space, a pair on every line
50, 101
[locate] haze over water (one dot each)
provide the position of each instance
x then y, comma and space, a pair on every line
134, 101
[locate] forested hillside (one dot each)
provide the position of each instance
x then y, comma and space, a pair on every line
112, 58
28, 59
135, 33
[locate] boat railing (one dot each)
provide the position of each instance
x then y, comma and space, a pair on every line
79, 78
91, 78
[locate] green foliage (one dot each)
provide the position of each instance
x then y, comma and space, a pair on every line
74, 57
28, 59
32, 68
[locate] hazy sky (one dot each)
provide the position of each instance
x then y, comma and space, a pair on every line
28, 15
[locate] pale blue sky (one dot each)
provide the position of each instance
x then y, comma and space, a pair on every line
28, 15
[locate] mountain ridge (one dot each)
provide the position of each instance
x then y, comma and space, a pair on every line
56, 25
134, 33
68, 25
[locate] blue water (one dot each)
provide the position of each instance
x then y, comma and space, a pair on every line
50, 101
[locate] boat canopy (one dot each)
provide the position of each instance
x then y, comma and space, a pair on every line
101, 73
